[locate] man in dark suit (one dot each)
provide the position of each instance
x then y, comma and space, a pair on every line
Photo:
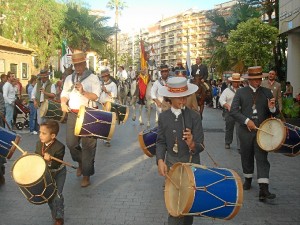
250, 107
180, 135
200, 69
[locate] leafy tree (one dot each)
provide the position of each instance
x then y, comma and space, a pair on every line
85, 31
118, 6
252, 42
222, 25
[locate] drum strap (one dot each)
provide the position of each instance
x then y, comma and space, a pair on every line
85, 75
58, 169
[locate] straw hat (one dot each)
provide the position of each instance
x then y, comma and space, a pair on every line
78, 57
177, 87
255, 72
236, 77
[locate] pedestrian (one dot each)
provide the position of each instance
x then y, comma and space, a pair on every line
2, 82
48, 146
274, 86
2, 159
200, 69
33, 125
250, 107
108, 92
288, 90
180, 135
160, 104
82, 87
9, 95
226, 101
42, 90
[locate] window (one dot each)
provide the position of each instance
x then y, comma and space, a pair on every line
24, 71
14, 69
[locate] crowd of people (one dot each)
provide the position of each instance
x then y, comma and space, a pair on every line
179, 101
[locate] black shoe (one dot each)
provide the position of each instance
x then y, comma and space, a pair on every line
264, 193
247, 183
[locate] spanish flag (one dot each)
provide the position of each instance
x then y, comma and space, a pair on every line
143, 56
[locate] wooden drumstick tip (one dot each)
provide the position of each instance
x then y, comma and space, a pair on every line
265, 131
19, 148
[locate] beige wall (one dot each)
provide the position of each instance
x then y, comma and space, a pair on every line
10, 57
289, 15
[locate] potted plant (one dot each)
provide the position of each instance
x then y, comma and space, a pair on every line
291, 111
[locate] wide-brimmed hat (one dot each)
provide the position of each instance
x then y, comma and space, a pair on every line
177, 87
104, 72
255, 72
236, 77
78, 57
43, 73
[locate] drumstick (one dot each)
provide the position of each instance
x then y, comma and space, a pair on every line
63, 162
56, 159
172, 181
18, 147
265, 131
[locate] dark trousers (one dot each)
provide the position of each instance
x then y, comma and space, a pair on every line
186, 220
230, 124
84, 153
56, 204
249, 150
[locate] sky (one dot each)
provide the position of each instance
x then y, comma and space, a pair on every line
142, 13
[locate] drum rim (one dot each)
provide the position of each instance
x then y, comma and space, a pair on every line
281, 141
113, 126
143, 145
107, 106
240, 193
44, 108
35, 182
191, 194
126, 115
80, 118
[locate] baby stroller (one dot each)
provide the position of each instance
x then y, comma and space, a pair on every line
22, 115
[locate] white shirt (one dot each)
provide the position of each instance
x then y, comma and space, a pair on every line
42, 98
9, 93
154, 90
122, 75
110, 87
227, 96
90, 84
131, 74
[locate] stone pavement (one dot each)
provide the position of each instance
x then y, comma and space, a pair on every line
126, 188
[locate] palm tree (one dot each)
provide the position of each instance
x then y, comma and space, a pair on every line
118, 6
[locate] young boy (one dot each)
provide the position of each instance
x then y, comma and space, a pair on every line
180, 134
49, 146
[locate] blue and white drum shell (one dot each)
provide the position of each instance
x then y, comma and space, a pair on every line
7, 149
276, 136
147, 140
95, 123
196, 190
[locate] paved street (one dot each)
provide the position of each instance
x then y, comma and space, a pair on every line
127, 189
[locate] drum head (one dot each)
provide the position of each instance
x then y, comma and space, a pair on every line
179, 191
28, 169
79, 120
44, 108
274, 136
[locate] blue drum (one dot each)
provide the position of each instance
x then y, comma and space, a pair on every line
34, 179
276, 136
147, 139
95, 123
195, 190
7, 149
